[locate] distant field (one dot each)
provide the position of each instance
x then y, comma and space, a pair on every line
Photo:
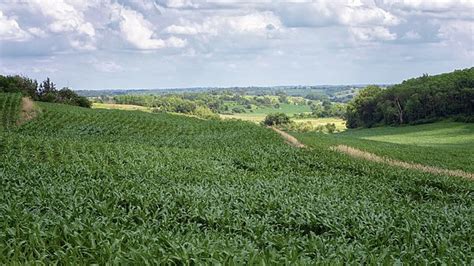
289, 109
259, 113
444, 144
340, 123
128, 107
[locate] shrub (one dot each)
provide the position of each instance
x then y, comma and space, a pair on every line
330, 127
238, 110
276, 119
205, 112
45, 92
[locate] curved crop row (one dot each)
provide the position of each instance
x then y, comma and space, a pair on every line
87, 186
9, 109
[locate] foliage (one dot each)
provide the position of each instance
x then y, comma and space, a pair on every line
327, 109
307, 126
362, 110
9, 110
46, 91
89, 186
204, 112
276, 119
419, 99
17, 83
330, 127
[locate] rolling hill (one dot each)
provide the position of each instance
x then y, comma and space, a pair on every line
95, 186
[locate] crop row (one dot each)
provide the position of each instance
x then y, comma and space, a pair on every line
9, 109
96, 186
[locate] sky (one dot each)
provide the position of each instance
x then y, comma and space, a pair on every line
113, 44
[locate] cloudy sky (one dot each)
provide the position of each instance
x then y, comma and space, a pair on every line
185, 43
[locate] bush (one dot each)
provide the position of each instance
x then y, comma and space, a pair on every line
276, 119
464, 118
330, 127
205, 112
238, 110
45, 92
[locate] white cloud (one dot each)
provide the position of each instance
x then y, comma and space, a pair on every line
67, 17
10, 30
37, 32
107, 66
372, 34
216, 35
365, 15
64, 17
179, 3
255, 23
139, 31
326, 12
411, 35
451, 9
458, 34
365, 19
427, 5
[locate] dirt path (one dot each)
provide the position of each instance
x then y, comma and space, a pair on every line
289, 138
375, 158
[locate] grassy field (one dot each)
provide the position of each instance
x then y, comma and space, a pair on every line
127, 107
340, 123
83, 186
448, 145
259, 113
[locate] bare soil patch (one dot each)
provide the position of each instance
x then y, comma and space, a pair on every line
28, 110
289, 138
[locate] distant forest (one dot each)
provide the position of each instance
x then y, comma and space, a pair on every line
417, 100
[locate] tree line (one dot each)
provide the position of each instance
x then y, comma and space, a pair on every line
417, 100
45, 91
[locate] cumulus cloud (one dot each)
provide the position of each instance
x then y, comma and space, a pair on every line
459, 34
220, 34
255, 23
138, 31
411, 35
178, 3
10, 30
325, 12
365, 20
373, 33
106, 66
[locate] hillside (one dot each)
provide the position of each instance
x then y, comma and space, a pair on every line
81, 186
417, 100
443, 144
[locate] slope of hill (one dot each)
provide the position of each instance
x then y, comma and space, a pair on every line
444, 144
416, 100
94, 186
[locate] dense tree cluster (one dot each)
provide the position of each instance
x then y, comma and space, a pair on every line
45, 92
276, 119
416, 100
327, 109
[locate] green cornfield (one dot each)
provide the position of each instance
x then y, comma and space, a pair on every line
83, 186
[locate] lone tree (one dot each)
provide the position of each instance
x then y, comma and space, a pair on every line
276, 119
46, 87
